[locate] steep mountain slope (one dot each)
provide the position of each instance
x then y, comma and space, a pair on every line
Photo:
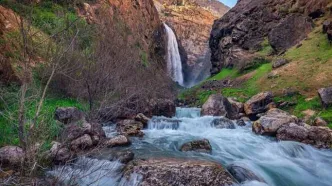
237, 35
192, 21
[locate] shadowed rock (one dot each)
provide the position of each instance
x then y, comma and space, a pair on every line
325, 95
11, 156
242, 174
223, 123
258, 103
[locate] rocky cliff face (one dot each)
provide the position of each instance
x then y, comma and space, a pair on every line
240, 33
192, 21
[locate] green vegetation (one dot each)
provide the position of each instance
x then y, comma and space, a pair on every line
309, 69
47, 127
225, 73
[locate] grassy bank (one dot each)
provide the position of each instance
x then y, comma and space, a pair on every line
309, 69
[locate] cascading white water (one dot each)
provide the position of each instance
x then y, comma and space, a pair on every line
174, 64
283, 163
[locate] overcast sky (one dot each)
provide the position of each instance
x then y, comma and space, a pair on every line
229, 3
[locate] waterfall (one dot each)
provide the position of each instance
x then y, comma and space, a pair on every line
174, 64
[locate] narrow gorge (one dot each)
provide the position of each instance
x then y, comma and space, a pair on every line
166, 93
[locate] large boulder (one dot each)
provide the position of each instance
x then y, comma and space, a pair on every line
292, 132
217, 105
160, 107
130, 128
237, 105
242, 174
81, 143
173, 172
223, 123
319, 137
11, 156
258, 103
272, 121
73, 131
120, 140
68, 115
290, 32
325, 95
198, 146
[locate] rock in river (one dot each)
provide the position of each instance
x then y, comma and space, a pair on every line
174, 172
198, 146
217, 105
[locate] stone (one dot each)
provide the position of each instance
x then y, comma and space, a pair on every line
270, 123
326, 26
292, 132
171, 171
273, 75
60, 154
320, 137
198, 146
161, 107
123, 156
319, 122
73, 131
143, 119
130, 128
217, 105
223, 123
279, 62
11, 156
258, 103
237, 105
68, 115
241, 123
81, 143
120, 140
325, 95
242, 174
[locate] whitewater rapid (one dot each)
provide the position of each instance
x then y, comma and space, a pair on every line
278, 163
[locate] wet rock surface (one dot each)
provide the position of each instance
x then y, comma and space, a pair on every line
198, 146
123, 156
242, 174
223, 123
174, 172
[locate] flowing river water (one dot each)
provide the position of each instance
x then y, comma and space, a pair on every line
278, 163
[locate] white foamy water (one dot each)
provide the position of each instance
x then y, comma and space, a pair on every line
278, 163
174, 64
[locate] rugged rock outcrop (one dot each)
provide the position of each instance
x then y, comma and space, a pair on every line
217, 105
198, 146
243, 29
192, 21
325, 95
270, 123
258, 104
166, 171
